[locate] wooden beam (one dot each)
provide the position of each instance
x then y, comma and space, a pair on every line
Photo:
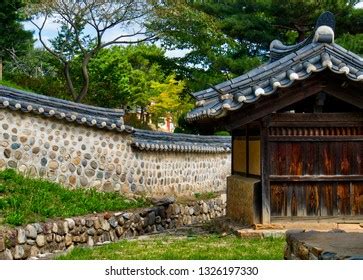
315, 178
272, 103
312, 118
346, 138
265, 172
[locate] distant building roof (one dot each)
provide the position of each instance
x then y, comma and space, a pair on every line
287, 64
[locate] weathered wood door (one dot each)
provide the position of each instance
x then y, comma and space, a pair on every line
316, 168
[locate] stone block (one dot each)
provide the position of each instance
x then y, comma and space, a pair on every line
244, 200
18, 252
30, 232
21, 236
40, 240
2, 243
6, 255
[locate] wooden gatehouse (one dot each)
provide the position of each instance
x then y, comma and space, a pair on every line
297, 132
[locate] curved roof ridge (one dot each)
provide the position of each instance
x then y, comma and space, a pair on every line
315, 54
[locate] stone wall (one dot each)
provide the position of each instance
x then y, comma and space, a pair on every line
77, 155
49, 237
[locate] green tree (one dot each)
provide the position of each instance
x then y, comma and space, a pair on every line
37, 71
135, 77
227, 38
82, 34
353, 43
168, 103
14, 40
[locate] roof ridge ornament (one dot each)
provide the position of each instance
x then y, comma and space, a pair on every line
322, 33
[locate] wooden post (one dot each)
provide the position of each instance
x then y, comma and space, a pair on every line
1, 68
247, 152
265, 171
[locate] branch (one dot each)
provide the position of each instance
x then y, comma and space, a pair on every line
128, 42
40, 30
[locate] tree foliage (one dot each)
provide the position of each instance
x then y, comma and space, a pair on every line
84, 26
134, 77
168, 102
227, 38
14, 40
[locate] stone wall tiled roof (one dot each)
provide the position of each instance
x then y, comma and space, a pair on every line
27, 102
109, 119
162, 141
287, 65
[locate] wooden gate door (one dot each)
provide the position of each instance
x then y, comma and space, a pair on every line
316, 167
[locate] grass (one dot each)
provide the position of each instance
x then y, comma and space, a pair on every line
206, 195
203, 247
12, 85
24, 200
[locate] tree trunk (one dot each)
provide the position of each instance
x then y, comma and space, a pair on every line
85, 76
67, 75
1, 68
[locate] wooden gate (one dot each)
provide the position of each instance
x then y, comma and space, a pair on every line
315, 169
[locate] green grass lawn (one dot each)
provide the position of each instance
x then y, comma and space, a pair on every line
24, 200
203, 247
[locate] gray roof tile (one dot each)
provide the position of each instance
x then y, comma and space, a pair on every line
313, 53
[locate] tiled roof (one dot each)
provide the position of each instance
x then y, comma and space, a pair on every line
110, 119
287, 65
162, 141
61, 109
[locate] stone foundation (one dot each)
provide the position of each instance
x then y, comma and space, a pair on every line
244, 200
40, 238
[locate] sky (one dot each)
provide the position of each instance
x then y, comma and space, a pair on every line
51, 29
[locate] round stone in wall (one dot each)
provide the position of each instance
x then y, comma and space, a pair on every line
83, 181
15, 146
4, 143
90, 173
7, 153
62, 179
52, 155
72, 180
43, 161
32, 171
23, 168
23, 139
71, 167
18, 155
42, 171
107, 187
35, 150
53, 165
12, 164
99, 175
